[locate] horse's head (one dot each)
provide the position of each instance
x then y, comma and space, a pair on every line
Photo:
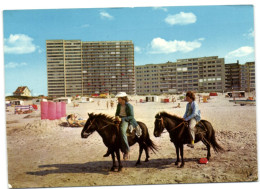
158, 125
90, 126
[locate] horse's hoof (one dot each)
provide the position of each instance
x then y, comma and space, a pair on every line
146, 160
112, 169
176, 163
181, 166
120, 169
138, 163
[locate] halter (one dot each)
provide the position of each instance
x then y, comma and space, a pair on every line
161, 119
91, 123
162, 123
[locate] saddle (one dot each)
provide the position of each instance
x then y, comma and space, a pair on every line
200, 127
130, 129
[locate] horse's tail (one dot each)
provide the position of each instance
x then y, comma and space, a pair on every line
212, 138
217, 148
147, 140
150, 144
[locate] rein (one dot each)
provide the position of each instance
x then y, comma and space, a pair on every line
177, 126
100, 128
161, 119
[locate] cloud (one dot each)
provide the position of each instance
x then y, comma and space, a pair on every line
105, 15
182, 18
15, 65
240, 52
19, 44
160, 8
138, 49
161, 46
85, 26
250, 33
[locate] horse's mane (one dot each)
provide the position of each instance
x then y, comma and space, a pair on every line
165, 114
104, 117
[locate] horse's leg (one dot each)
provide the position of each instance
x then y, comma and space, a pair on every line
141, 148
177, 153
114, 162
182, 159
146, 153
120, 166
208, 148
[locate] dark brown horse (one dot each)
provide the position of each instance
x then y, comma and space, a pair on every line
109, 131
180, 134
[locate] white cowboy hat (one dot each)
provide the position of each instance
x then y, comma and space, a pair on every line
121, 94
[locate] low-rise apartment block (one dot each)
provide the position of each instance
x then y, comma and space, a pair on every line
204, 74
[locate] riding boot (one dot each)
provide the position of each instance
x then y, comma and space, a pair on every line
191, 145
126, 156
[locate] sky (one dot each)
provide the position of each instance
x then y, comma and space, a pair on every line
159, 34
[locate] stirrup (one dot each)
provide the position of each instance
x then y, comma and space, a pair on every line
131, 128
138, 131
126, 156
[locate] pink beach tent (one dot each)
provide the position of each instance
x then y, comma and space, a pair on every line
58, 110
44, 110
51, 110
63, 109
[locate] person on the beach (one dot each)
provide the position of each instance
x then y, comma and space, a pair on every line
74, 122
192, 115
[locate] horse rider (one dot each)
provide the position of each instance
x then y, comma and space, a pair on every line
125, 114
192, 115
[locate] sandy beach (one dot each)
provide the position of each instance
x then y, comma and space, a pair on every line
45, 153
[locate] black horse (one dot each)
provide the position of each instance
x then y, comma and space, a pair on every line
109, 131
180, 134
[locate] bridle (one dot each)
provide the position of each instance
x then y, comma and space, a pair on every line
162, 123
91, 123
98, 129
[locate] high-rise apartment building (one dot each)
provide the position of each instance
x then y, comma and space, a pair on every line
204, 74
83, 68
232, 74
240, 76
247, 76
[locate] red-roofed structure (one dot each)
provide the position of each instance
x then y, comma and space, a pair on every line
22, 91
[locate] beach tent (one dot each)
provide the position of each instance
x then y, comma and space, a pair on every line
213, 94
17, 102
236, 94
63, 99
38, 101
165, 100
151, 99
86, 99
